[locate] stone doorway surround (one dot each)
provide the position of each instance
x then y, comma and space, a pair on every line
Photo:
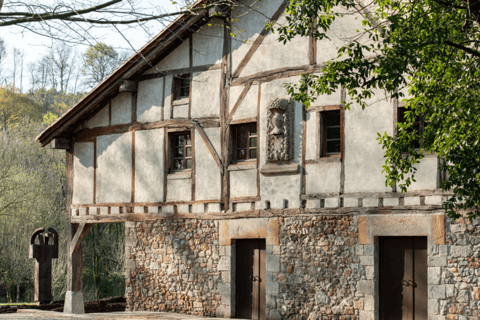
371, 227
258, 228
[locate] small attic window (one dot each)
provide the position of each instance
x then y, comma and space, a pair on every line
182, 86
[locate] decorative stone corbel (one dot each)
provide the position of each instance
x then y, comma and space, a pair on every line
280, 120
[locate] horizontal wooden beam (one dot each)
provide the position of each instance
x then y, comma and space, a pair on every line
175, 72
268, 213
89, 134
61, 143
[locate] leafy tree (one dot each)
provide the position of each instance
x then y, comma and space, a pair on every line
15, 106
99, 61
428, 48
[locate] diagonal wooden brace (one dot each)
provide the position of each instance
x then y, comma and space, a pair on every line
81, 232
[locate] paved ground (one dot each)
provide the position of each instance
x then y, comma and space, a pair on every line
31, 314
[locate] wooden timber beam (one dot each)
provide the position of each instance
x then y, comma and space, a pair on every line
210, 147
81, 232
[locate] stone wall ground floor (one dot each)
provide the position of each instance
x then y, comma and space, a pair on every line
318, 266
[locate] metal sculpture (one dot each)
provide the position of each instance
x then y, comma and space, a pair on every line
43, 251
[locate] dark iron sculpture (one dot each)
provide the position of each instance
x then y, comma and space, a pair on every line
43, 251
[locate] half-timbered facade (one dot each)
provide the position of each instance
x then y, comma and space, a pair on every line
240, 202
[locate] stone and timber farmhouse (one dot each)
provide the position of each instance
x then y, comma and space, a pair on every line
240, 202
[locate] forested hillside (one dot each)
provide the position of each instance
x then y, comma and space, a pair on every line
32, 178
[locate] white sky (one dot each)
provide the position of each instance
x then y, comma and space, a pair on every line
35, 46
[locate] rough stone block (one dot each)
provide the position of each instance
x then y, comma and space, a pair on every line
369, 302
434, 275
370, 202
437, 261
350, 202
359, 249
274, 315
463, 296
74, 302
390, 202
224, 288
130, 263
412, 201
369, 250
366, 260
458, 228
450, 290
369, 272
313, 204
273, 263
276, 250
271, 301
130, 242
226, 299
436, 292
332, 202
224, 264
214, 208
365, 286
435, 317
433, 200
461, 251
272, 287
366, 315
129, 224
229, 250
226, 276
433, 306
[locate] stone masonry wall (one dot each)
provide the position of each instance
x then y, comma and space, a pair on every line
172, 266
318, 270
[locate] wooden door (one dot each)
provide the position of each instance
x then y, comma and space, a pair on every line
403, 278
250, 279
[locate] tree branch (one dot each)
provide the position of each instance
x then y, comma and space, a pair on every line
466, 49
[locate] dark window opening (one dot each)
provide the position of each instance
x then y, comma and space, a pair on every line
182, 86
331, 133
181, 151
417, 125
244, 138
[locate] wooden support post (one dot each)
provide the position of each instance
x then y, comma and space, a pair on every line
74, 294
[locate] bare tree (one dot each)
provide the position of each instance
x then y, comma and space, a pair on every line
3, 54
61, 64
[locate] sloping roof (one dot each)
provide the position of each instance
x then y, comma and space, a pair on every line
150, 54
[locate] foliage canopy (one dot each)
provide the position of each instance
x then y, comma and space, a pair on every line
428, 48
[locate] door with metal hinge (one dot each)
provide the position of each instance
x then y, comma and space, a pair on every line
250, 279
403, 278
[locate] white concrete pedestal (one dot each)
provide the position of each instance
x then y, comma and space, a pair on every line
74, 302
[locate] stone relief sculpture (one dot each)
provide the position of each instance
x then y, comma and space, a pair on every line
280, 117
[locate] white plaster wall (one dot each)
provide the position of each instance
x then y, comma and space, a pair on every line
322, 177
311, 141
150, 100
114, 168
277, 188
83, 162
243, 183
100, 119
206, 94
122, 108
426, 175
168, 97
340, 34
180, 111
249, 106
363, 154
247, 23
149, 165
208, 179
179, 190
177, 59
273, 54
328, 99
208, 43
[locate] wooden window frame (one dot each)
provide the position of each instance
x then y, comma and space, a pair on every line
171, 151
233, 142
323, 133
177, 86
